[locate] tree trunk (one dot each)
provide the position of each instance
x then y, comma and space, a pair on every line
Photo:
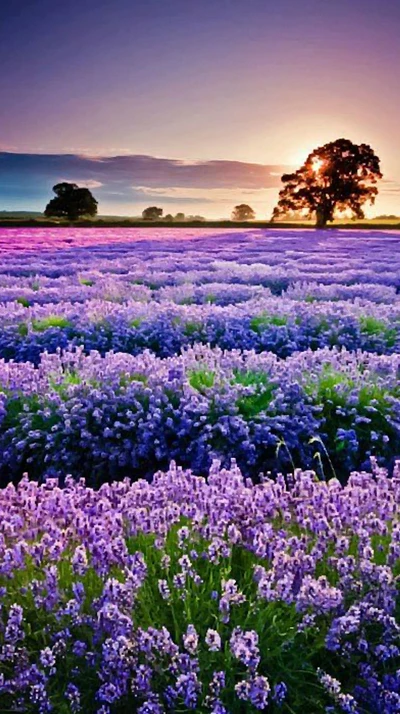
322, 218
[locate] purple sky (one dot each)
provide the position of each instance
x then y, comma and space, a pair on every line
250, 81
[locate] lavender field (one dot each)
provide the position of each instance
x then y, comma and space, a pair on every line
199, 462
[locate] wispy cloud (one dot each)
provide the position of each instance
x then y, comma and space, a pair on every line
202, 195
390, 187
142, 170
26, 179
85, 183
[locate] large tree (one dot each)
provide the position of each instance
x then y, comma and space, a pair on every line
71, 202
337, 177
243, 212
152, 213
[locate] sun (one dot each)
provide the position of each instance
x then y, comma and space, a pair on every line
317, 165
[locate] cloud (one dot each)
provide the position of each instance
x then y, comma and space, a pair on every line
26, 179
390, 187
178, 194
141, 170
7, 147
84, 183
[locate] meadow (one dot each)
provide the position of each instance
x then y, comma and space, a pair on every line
199, 469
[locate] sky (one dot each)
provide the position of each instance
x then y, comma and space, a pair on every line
194, 105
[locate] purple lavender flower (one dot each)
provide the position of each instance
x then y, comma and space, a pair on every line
213, 640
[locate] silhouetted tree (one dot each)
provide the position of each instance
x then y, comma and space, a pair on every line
335, 177
168, 218
243, 212
152, 213
180, 217
71, 202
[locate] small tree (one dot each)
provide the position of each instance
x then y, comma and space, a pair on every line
152, 213
168, 218
71, 202
180, 217
243, 212
336, 177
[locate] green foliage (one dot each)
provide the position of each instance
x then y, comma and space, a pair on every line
127, 379
192, 327
348, 404
210, 298
50, 321
16, 404
68, 379
373, 327
86, 281
330, 387
260, 396
23, 301
202, 379
22, 329
261, 321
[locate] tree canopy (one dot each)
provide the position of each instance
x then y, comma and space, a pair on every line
243, 212
71, 202
152, 213
336, 177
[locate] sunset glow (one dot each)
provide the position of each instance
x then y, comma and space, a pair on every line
318, 165
264, 83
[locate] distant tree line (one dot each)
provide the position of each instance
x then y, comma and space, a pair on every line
337, 178
153, 213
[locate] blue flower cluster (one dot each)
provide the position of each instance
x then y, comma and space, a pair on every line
108, 417
279, 325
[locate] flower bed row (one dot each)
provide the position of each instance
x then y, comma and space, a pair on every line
274, 258
188, 595
106, 417
94, 285
278, 325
